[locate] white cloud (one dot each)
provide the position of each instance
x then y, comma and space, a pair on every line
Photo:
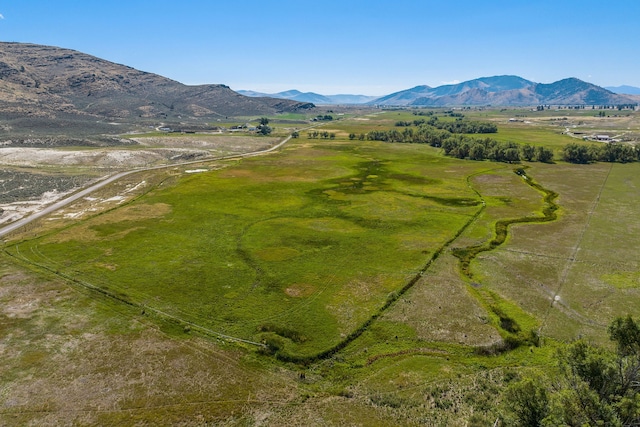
1, 16
452, 82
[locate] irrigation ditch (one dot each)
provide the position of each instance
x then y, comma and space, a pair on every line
394, 296
512, 332
513, 335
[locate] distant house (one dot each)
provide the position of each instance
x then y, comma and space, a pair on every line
606, 138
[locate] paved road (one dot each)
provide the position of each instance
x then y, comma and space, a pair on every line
83, 193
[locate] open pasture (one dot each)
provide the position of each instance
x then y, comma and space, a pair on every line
298, 249
577, 273
555, 128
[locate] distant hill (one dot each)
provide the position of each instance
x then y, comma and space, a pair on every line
449, 93
624, 89
296, 95
351, 99
488, 84
506, 91
312, 97
404, 97
45, 81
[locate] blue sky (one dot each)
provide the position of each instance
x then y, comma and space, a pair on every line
349, 46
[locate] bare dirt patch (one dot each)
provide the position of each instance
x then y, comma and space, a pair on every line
99, 158
300, 290
14, 211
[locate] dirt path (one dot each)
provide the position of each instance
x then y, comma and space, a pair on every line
85, 192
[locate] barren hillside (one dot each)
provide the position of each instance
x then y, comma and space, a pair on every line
49, 82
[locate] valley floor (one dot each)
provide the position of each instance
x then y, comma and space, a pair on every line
352, 246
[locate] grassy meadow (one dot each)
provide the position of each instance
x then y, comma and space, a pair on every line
343, 258
301, 247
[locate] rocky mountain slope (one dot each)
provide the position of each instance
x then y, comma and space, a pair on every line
507, 91
43, 81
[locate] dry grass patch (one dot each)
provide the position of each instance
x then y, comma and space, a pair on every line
352, 304
70, 359
440, 308
300, 290
572, 273
136, 212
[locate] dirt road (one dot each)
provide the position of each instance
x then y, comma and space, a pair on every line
85, 192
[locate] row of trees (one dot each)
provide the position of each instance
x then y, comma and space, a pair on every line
593, 386
463, 126
467, 147
321, 118
457, 126
464, 147
619, 153
424, 134
324, 135
461, 146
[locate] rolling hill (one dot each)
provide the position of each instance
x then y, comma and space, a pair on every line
51, 82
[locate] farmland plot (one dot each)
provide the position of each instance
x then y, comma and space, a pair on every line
297, 250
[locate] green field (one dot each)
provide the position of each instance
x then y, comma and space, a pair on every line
306, 245
344, 259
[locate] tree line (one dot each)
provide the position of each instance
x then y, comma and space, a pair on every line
456, 142
464, 147
324, 135
461, 146
619, 153
457, 126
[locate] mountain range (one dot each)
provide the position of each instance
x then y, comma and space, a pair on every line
48, 85
45, 81
315, 98
507, 91
624, 89
497, 90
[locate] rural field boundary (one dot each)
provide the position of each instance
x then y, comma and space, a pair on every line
574, 252
187, 325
